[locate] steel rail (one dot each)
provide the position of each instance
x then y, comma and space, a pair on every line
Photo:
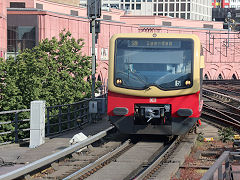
232, 114
229, 120
98, 162
216, 118
51, 158
221, 115
227, 89
223, 95
150, 168
223, 103
213, 123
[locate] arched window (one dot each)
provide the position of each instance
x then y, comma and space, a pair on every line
234, 77
99, 78
100, 88
205, 77
219, 77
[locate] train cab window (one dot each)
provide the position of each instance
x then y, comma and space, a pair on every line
164, 63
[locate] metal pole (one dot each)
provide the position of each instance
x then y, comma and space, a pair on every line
228, 31
48, 121
16, 128
93, 58
229, 15
209, 41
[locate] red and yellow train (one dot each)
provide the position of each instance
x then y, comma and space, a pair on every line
154, 83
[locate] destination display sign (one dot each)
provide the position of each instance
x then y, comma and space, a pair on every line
155, 43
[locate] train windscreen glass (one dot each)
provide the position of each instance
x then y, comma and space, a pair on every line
164, 63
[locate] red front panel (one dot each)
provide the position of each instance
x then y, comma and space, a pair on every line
120, 100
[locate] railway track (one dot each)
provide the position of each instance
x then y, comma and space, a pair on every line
221, 108
227, 87
101, 162
128, 163
136, 158
149, 171
142, 160
43, 164
221, 98
170, 160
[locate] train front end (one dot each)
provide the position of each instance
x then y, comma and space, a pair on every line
154, 83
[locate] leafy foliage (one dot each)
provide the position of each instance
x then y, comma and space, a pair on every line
54, 71
226, 134
200, 137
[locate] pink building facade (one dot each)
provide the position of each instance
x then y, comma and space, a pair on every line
28, 3
3, 28
64, 8
222, 57
51, 24
115, 14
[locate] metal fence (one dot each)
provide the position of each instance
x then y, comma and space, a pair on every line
62, 118
59, 119
14, 126
222, 168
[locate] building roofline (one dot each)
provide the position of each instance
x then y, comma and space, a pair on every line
167, 17
40, 11
60, 3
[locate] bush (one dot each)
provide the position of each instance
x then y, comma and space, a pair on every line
200, 137
54, 71
226, 134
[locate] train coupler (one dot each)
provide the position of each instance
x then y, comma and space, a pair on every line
157, 114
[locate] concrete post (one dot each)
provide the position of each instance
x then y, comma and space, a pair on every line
37, 123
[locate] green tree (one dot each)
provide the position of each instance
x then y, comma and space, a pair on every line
55, 71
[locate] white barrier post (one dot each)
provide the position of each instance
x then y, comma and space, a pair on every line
37, 123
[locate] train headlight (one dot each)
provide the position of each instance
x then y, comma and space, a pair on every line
120, 111
184, 112
188, 83
119, 81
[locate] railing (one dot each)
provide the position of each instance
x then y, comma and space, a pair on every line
218, 172
62, 118
14, 125
59, 119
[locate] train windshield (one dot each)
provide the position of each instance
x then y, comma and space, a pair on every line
164, 63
